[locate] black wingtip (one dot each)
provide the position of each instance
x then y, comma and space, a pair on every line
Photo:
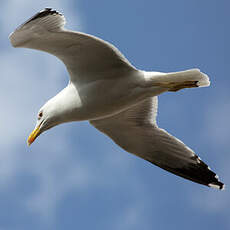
217, 184
207, 176
50, 11
43, 13
199, 172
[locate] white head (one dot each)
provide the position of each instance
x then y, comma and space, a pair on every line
62, 108
48, 116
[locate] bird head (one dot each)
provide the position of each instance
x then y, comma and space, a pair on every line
46, 119
62, 108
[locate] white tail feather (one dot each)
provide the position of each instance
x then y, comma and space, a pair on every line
188, 75
178, 80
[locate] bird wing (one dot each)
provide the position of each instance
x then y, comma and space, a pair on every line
86, 57
136, 131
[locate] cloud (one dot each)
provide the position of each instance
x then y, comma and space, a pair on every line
217, 117
30, 78
15, 12
53, 166
215, 133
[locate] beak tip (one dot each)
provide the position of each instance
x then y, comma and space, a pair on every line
33, 136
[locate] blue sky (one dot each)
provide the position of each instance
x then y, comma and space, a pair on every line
74, 177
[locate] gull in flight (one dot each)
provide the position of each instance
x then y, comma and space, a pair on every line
117, 99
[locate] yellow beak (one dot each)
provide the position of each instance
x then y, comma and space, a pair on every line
33, 135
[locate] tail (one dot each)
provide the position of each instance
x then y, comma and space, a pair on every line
180, 80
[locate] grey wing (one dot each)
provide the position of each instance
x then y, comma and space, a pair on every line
136, 131
85, 56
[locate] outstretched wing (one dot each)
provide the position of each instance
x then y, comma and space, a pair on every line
136, 131
86, 57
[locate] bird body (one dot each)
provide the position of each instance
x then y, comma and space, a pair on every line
117, 99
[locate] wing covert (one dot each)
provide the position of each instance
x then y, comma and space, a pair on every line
134, 131
85, 56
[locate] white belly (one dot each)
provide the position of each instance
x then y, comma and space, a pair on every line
105, 98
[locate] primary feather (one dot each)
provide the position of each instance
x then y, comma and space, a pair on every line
136, 131
83, 54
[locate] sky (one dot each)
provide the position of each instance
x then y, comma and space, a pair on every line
74, 177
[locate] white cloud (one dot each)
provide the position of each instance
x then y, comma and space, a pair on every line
29, 78
130, 217
15, 12
217, 117
216, 133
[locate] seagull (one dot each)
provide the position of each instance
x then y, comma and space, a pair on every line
115, 97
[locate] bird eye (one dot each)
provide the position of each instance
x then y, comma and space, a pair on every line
40, 115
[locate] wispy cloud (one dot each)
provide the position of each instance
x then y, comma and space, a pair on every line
53, 166
215, 134
29, 79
